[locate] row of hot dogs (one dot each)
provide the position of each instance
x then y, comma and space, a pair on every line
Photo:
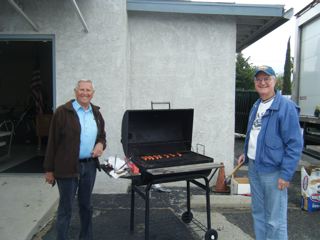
161, 156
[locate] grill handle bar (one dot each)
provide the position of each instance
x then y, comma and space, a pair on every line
160, 103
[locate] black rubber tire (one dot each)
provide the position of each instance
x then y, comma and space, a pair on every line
187, 217
211, 234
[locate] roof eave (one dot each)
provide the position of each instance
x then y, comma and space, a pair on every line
273, 24
205, 8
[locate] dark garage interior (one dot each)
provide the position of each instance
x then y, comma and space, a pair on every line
26, 99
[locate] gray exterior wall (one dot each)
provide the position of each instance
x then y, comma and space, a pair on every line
188, 60
137, 58
99, 55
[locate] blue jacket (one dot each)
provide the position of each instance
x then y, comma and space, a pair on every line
280, 142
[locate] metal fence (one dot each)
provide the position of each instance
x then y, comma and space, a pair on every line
244, 101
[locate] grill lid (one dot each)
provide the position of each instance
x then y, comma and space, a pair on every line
156, 131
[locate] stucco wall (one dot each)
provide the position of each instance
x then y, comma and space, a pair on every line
188, 60
137, 58
99, 55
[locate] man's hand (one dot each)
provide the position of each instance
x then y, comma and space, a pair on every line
282, 184
241, 159
97, 151
49, 177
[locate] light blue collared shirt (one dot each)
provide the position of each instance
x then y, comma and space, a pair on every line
89, 129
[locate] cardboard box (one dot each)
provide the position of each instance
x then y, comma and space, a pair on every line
240, 186
310, 188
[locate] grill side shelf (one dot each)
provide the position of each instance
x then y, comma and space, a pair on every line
183, 169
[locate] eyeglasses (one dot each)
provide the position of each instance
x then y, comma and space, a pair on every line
264, 79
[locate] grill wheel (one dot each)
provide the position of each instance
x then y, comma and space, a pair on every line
211, 234
187, 217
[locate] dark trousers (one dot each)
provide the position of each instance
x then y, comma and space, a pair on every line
68, 187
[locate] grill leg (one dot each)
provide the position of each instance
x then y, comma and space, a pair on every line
187, 216
188, 197
132, 209
147, 213
208, 203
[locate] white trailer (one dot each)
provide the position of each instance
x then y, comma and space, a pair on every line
306, 87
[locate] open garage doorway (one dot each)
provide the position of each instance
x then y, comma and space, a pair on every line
27, 97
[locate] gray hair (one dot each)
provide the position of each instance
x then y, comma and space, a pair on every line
85, 81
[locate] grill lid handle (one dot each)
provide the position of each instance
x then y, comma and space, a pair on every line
160, 103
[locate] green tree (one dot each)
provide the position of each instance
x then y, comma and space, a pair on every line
279, 83
286, 84
244, 73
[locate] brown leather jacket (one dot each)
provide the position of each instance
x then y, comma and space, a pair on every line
62, 154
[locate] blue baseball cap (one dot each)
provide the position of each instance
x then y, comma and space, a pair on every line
266, 69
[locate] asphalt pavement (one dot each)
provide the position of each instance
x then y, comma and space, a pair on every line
230, 220
28, 208
230, 214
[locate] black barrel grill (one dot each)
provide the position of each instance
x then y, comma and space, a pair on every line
159, 142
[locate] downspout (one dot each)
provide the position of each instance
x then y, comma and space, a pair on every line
19, 10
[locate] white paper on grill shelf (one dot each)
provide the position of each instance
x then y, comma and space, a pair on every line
116, 175
117, 163
119, 166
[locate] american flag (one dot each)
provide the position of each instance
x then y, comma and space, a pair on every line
36, 89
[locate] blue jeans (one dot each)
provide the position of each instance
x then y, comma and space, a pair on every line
68, 187
269, 205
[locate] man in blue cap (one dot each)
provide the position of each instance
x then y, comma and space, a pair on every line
272, 149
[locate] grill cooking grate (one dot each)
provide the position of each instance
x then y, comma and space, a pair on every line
180, 159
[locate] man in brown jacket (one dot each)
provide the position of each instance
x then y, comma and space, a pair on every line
76, 139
